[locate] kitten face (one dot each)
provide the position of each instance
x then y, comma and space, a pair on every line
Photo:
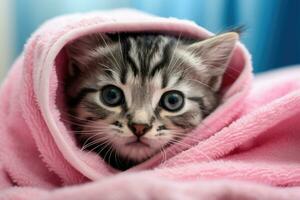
131, 95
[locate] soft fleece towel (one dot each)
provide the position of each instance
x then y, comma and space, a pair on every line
248, 148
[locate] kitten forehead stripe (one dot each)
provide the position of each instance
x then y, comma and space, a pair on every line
164, 60
127, 57
152, 55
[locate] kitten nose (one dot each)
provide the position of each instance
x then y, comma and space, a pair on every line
139, 129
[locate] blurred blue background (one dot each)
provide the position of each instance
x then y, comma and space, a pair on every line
272, 34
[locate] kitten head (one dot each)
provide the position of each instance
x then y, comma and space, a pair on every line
134, 94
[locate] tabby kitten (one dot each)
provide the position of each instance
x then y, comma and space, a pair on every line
132, 94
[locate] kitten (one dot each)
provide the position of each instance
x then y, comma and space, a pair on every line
132, 94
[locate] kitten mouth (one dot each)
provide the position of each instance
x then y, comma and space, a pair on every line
137, 143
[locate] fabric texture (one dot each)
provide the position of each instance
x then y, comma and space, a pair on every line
247, 148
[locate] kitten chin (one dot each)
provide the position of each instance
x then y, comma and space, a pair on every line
131, 95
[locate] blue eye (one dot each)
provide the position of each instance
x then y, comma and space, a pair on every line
172, 100
112, 95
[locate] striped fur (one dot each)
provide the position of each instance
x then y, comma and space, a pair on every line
144, 66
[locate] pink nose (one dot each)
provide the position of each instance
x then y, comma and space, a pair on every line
139, 129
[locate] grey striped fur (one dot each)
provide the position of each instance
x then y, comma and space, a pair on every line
144, 66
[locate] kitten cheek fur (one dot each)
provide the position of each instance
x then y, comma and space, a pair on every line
132, 61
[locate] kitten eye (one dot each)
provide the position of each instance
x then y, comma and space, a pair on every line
172, 100
112, 95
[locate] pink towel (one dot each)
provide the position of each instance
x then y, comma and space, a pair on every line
248, 148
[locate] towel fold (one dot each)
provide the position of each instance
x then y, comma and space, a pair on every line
247, 148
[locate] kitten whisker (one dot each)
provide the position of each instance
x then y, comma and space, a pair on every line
100, 143
98, 36
87, 144
110, 154
200, 82
189, 138
164, 155
173, 53
106, 153
116, 62
120, 47
101, 137
172, 151
103, 147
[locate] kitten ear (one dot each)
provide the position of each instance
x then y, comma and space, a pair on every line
214, 54
82, 50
